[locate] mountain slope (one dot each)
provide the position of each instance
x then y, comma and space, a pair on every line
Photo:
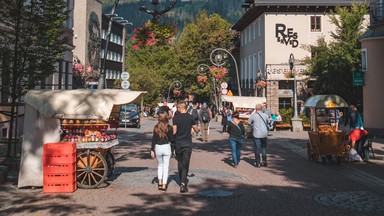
184, 11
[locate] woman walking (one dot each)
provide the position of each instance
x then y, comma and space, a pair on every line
161, 148
236, 132
224, 120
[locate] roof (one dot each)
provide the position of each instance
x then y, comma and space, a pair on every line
325, 101
371, 34
262, 6
243, 101
80, 103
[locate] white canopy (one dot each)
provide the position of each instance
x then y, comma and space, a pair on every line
244, 101
81, 103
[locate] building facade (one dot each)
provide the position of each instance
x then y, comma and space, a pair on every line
114, 64
87, 37
272, 30
372, 44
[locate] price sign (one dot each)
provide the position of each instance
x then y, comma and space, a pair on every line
125, 84
224, 91
224, 85
125, 75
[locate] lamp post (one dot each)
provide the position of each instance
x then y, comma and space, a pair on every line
219, 62
200, 70
177, 85
297, 125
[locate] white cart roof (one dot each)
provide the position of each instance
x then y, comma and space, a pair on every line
325, 101
80, 103
243, 101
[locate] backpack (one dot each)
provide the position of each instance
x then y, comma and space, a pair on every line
195, 115
205, 116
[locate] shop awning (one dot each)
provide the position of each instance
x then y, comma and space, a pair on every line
80, 103
244, 101
325, 101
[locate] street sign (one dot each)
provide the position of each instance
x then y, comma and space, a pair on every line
358, 78
230, 93
125, 75
125, 84
89, 69
224, 85
224, 91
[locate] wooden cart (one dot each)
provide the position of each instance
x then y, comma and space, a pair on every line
324, 138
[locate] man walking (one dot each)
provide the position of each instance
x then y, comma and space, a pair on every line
165, 108
259, 121
182, 124
205, 116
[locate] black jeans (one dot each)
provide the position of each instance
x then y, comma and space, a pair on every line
183, 156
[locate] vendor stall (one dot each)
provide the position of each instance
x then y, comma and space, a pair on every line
325, 139
81, 116
244, 105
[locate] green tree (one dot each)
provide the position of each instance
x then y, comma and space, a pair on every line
31, 43
333, 63
197, 41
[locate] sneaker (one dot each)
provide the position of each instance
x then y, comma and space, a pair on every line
258, 165
265, 164
183, 189
235, 166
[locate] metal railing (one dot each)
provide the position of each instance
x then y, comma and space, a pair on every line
377, 13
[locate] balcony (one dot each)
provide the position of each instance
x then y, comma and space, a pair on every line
377, 14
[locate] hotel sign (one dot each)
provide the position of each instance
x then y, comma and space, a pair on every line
286, 35
285, 93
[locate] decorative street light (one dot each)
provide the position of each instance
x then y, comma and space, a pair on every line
155, 13
219, 62
201, 71
176, 86
297, 125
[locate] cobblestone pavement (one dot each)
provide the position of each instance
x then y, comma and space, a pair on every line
290, 185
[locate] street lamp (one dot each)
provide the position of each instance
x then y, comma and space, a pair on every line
297, 125
219, 62
201, 71
177, 85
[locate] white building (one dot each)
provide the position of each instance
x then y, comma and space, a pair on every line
271, 30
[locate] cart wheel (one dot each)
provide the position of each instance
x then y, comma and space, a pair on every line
309, 151
323, 160
91, 169
111, 163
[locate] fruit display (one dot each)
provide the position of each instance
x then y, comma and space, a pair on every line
86, 131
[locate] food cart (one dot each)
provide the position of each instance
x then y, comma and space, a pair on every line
246, 107
86, 117
325, 139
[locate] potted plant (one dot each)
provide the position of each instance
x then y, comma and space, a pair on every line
261, 84
289, 74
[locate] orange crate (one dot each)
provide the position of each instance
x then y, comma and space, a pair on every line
59, 148
59, 178
52, 159
60, 187
59, 168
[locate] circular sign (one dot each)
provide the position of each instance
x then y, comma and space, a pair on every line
224, 91
88, 69
125, 75
125, 84
224, 85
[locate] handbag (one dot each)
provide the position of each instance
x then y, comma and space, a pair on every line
268, 128
239, 128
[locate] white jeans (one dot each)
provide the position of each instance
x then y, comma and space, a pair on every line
163, 155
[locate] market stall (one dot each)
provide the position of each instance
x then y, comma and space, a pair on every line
244, 105
325, 139
81, 116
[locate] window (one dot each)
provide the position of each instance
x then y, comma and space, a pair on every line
315, 24
260, 61
245, 68
250, 33
254, 67
364, 65
245, 37
259, 24
242, 70
102, 53
254, 30
249, 70
284, 103
242, 38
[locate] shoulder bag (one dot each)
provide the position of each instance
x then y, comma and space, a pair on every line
268, 128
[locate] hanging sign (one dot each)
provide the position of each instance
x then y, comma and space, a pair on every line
358, 78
